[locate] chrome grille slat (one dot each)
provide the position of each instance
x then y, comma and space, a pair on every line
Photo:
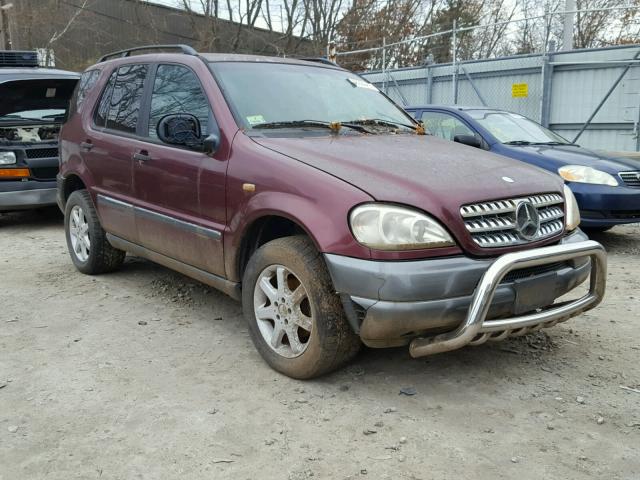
631, 179
493, 224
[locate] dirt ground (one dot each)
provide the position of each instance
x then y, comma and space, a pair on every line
146, 374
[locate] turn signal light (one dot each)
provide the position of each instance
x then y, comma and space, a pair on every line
14, 172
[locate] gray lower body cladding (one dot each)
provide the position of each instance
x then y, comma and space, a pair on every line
390, 303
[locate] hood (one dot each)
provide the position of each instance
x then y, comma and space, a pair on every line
553, 157
425, 172
35, 94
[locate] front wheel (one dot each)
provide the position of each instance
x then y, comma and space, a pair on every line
296, 320
89, 248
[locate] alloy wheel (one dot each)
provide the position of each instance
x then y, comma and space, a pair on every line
79, 233
283, 311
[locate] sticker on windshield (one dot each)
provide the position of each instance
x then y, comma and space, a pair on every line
51, 92
359, 83
255, 119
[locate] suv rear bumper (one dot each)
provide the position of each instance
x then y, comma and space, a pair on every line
392, 303
24, 195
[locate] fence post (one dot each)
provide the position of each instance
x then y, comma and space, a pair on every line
429, 85
547, 82
454, 66
384, 64
332, 54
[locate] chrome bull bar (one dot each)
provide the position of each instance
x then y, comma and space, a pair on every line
476, 329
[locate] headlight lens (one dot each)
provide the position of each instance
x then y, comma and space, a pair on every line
7, 158
387, 227
572, 212
582, 174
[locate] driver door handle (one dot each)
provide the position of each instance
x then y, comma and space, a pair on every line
86, 145
142, 156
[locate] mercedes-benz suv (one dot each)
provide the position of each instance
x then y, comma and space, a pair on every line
300, 189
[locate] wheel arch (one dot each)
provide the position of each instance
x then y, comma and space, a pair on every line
262, 229
71, 183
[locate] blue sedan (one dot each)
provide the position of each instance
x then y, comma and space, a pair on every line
607, 188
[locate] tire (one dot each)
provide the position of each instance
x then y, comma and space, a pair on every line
99, 256
329, 342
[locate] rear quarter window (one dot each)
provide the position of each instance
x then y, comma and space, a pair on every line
84, 86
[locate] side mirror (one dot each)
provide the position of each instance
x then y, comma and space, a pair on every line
470, 140
211, 143
182, 129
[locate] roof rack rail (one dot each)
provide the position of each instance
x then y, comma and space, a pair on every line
323, 60
186, 49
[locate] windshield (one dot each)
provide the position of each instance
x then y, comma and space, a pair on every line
271, 93
38, 115
516, 129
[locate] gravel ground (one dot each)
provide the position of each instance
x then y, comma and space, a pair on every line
146, 374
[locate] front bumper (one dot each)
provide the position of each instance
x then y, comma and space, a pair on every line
25, 195
605, 206
395, 303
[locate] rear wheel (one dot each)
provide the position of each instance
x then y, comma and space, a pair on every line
296, 321
89, 248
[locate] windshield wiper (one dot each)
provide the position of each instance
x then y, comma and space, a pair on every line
383, 122
311, 123
518, 142
551, 143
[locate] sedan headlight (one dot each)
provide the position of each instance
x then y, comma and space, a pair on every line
582, 174
388, 227
7, 158
572, 212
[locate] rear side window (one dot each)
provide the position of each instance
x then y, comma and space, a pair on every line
100, 118
126, 98
86, 83
176, 89
444, 125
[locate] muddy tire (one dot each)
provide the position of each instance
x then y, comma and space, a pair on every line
296, 320
90, 251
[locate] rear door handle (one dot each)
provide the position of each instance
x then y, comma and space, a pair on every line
142, 156
88, 145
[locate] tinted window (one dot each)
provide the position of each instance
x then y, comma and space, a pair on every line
444, 125
124, 106
176, 89
100, 118
87, 81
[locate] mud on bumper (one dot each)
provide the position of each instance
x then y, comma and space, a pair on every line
444, 304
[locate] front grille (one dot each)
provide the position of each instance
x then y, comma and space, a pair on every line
44, 173
631, 179
493, 224
521, 273
41, 152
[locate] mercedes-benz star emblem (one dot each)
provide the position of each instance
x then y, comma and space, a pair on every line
527, 220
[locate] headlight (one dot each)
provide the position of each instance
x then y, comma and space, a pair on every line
582, 174
7, 158
572, 212
387, 227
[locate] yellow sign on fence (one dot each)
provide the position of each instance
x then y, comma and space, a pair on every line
519, 90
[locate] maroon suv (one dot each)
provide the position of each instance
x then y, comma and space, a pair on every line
302, 190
